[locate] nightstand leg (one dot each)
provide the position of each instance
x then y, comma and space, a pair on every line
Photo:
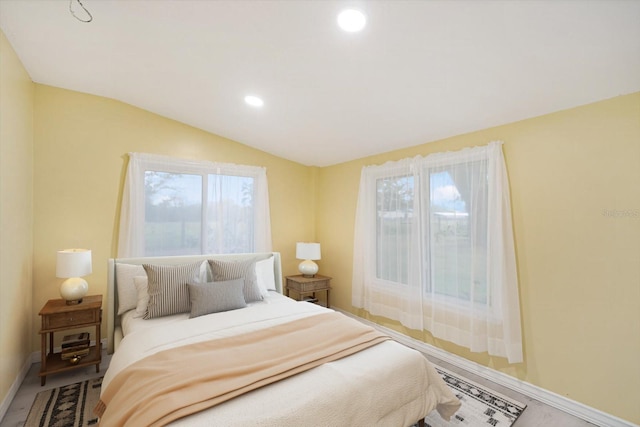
328, 305
43, 358
98, 347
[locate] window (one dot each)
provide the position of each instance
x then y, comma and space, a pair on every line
394, 202
455, 237
453, 250
172, 213
433, 248
182, 207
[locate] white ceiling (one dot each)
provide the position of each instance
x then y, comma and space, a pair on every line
420, 71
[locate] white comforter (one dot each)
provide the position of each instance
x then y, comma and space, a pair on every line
385, 385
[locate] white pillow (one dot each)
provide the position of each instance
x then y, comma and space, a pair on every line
127, 294
142, 287
264, 274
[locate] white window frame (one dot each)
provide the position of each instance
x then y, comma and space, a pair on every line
418, 216
493, 326
132, 218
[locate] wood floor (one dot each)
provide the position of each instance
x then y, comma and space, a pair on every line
536, 414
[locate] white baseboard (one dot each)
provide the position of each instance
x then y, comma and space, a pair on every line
552, 399
13, 390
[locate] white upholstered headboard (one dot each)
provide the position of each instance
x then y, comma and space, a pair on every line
113, 320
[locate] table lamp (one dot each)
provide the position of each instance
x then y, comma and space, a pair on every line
308, 252
72, 264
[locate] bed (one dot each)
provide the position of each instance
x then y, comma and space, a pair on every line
300, 364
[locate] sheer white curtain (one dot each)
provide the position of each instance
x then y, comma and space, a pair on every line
433, 248
173, 206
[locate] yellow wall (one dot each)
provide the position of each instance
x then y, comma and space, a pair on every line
579, 262
16, 216
81, 143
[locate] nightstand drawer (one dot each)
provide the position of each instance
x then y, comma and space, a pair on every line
61, 320
313, 286
304, 286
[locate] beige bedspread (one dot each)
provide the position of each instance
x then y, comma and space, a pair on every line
387, 384
205, 374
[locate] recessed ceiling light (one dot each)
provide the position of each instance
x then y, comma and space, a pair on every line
254, 101
352, 20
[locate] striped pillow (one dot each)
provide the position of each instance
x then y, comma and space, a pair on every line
241, 269
215, 297
168, 290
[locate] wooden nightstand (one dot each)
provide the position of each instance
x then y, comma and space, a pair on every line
57, 316
308, 285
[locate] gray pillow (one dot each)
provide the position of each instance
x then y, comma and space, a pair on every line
168, 291
207, 298
241, 269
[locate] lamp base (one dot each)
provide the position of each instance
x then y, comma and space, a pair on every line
73, 289
308, 268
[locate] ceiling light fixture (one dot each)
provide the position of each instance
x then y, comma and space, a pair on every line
254, 101
352, 20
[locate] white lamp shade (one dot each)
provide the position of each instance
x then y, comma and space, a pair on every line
73, 263
308, 250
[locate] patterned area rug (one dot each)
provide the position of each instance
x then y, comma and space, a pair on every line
480, 405
68, 406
